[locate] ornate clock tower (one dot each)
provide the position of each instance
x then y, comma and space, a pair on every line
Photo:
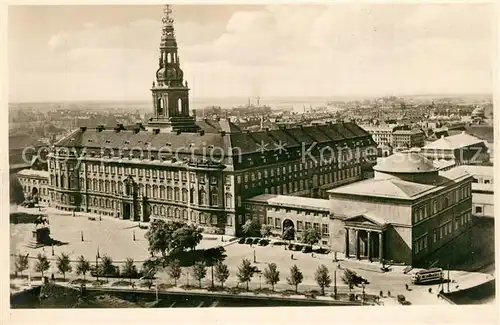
170, 92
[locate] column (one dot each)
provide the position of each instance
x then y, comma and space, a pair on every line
368, 247
380, 246
357, 243
346, 242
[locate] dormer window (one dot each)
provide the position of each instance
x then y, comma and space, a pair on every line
90, 140
107, 141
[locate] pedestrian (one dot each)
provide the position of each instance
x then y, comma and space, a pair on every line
291, 256
381, 293
430, 290
53, 277
312, 254
388, 293
406, 285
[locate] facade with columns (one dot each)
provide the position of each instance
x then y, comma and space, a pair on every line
405, 214
199, 172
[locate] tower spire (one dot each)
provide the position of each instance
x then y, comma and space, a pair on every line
171, 93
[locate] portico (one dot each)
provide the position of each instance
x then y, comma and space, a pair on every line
364, 237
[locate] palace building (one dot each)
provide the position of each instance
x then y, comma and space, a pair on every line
199, 172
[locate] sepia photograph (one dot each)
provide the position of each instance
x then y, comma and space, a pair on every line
251, 155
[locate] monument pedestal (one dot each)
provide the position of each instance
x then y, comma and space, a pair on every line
41, 237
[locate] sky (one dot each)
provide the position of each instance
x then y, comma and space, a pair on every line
111, 52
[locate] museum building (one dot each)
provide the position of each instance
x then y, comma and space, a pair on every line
405, 214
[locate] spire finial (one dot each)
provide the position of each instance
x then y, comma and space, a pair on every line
167, 19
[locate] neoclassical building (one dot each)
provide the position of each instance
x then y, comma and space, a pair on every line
405, 213
200, 172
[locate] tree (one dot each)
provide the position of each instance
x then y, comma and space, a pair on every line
149, 270
288, 234
16, 190
82, 266
322, 278
296, 277
21, 263
311, 236
159, 235
221, 273
272, 275
352, 279
42, 264
106, 268
175, 270
245, 271
251, 228
266, 231
63, 264
129, 269
199, 271
187, 236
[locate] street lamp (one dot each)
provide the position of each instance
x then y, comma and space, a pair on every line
133, 235
260, 282
254, 258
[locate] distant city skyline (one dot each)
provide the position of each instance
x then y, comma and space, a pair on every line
277, 51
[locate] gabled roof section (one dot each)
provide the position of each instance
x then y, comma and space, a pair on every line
456, 141
366, 218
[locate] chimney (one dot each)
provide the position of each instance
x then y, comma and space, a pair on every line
83, 128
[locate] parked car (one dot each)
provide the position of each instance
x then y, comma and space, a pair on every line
249, 241
241, 241
256, 241
307, 249
298, 247
263, 242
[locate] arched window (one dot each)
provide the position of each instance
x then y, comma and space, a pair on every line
155, 191
57, 181
169, 212
184, 195
176, 194
101, 185
113, 187
203, 197
184, 214
108, 204
177, 213
179, 105
162, 192
96, 203
148, 190
141, 189
162, 210
155, 209
169, 193
101, 203
63, 181
191, 195
215, 198
82, 183
94, 183
106, 186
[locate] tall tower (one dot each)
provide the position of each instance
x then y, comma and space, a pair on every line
170, 92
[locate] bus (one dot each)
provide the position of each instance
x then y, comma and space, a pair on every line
425, 276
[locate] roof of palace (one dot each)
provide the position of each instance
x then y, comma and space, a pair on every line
292, 201
405, 162
223, 135
33, 173
398, 188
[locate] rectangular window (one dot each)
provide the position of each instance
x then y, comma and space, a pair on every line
324, 229
308, 225
155, 173
245, 177
299, 226
213, 180
176, 175
238, 179
227, 180
238, 201
184, 176
169, 174
277, 223
148, 172
270, 221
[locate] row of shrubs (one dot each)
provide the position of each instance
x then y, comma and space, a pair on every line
254, 241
